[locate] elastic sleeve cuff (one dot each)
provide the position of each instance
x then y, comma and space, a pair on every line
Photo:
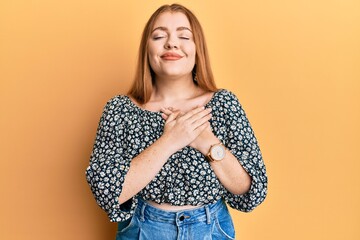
124, 211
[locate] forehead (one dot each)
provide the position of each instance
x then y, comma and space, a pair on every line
172, 20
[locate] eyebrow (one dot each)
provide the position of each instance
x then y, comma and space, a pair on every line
166, 30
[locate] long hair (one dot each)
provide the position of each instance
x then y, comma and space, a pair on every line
142, 86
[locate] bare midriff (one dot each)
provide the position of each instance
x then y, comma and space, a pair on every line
169, 207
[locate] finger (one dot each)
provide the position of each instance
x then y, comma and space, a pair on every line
178, 113
164, 116
201, 121
171, 118
201, 128
193, 112
167, 111
170, 110
200, 115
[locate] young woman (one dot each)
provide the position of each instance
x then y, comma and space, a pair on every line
171, 153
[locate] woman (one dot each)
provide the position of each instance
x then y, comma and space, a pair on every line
171, 153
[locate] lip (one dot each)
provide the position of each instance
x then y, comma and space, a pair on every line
170, 56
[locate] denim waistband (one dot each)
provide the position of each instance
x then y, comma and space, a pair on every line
200, 214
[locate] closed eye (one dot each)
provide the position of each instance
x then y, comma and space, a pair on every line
158, 37
185, 38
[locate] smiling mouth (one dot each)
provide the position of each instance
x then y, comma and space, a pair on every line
171, 56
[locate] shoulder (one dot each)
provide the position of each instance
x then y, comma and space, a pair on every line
226, 97
116, 100
227, 103
118, 104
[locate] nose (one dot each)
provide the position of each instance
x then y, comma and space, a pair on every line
171, 43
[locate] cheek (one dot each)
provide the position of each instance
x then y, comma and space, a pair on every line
192, 53
191, 50
152, 56
151, 52
153, 63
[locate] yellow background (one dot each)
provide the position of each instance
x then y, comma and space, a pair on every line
295, 66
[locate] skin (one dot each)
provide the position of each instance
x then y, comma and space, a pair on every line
182, 104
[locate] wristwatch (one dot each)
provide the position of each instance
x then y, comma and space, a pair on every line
216, 152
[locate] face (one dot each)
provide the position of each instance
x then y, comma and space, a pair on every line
171, 46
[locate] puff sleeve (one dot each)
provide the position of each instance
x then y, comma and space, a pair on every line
243, 144
109, 163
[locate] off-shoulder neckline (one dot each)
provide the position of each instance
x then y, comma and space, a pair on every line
134, 105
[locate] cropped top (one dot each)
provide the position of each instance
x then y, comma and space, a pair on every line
187, 178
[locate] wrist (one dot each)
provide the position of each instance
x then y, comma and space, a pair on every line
216, 153
167, 146
204, 148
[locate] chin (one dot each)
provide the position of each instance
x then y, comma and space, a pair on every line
175, 75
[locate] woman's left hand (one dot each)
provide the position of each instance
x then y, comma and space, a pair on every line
203, 141
230, 173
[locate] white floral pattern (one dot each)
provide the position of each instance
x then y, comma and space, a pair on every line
125, 130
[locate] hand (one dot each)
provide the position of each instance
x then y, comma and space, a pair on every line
181, 129
204, 140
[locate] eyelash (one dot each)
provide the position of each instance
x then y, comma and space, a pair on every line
157, 38
160, 37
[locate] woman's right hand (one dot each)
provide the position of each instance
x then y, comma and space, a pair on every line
181, 129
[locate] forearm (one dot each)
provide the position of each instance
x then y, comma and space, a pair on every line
179, 131
231, 174
229, 171
144, 167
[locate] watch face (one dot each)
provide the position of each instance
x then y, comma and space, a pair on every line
217, 152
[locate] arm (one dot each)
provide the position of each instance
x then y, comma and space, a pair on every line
242, 143
229, 171
113, 176
242, 172
144, 168
179, 131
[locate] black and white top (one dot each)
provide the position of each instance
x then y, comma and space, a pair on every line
125, 130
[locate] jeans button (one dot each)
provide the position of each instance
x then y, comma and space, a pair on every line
181, 218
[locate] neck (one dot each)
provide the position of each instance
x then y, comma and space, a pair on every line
171, 89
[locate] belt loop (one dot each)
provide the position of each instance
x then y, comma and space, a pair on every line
142, 212
208, 216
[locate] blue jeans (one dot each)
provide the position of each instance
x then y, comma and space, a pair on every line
211, 222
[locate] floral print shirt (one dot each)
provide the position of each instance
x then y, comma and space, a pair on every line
187, 178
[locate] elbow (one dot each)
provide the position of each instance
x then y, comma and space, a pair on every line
243, 186
122, 199
240, 191
246, 184
246, 188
